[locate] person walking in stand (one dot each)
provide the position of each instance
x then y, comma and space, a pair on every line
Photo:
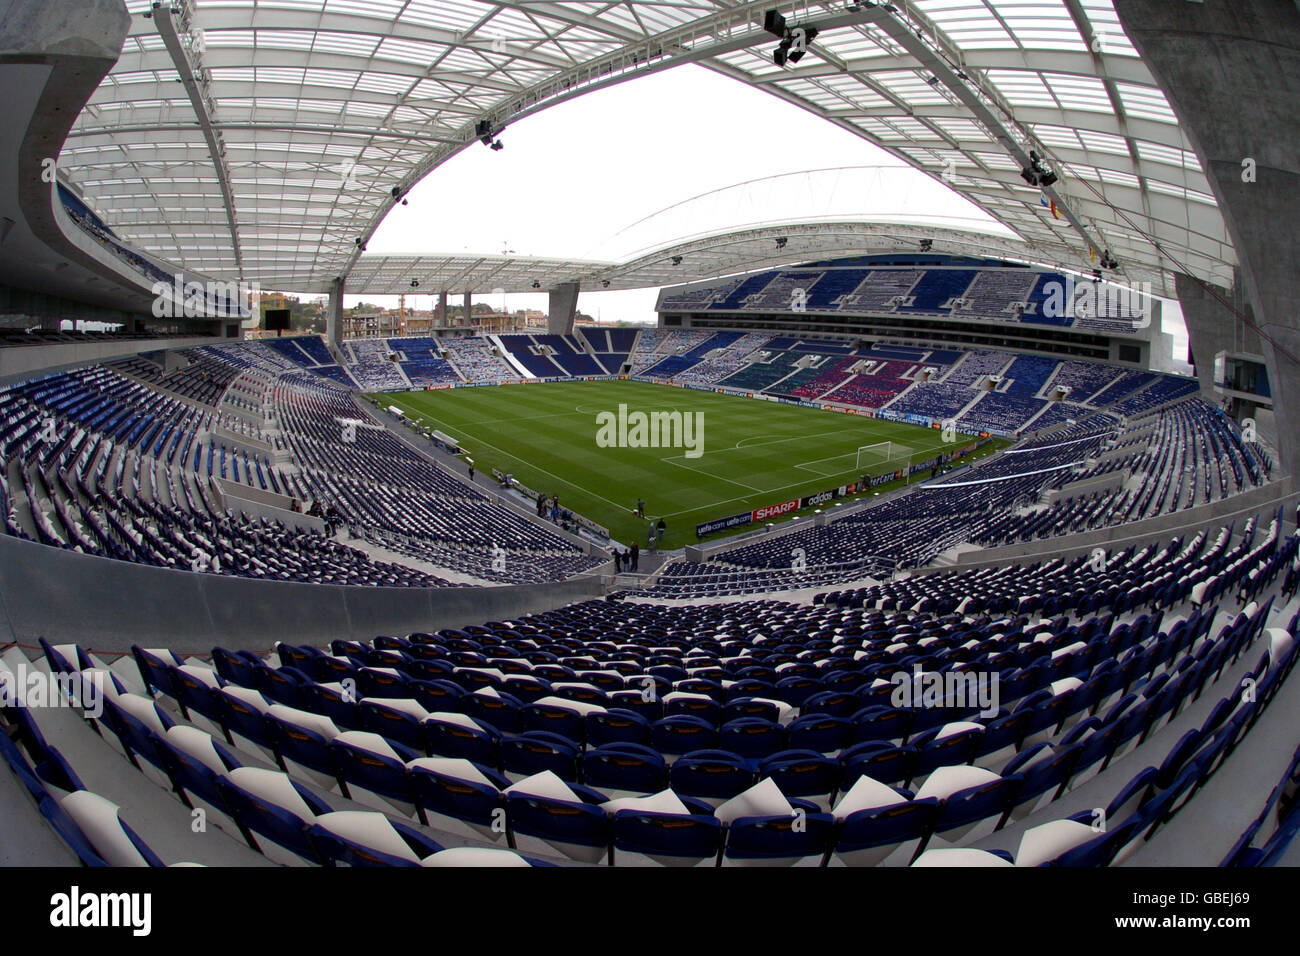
636, 553
618, 561
471, 473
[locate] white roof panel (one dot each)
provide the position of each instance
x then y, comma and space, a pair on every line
319, 108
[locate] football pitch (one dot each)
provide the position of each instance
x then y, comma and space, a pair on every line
731, 454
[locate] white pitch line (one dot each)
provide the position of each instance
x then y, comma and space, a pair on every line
512, 457
772, 491
572, 484
778, 441
673, 461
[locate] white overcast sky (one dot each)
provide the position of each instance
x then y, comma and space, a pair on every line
581, 179
572, 179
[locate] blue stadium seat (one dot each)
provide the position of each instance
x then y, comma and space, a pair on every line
631, 768
579, 830
779, 840
668, 839
712, 775
616, 726
354, 838
535, 751
870, 836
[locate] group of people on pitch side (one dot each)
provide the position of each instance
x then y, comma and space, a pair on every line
627, 559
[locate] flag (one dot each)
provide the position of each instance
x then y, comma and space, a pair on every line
1055, 214
1092, 254
1043, 201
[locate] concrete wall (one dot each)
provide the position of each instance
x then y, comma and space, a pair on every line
334, 317
1088, 486
29, 360
110, 605
1213, 326
247, 443
1229, 71
257, 503
1215, 514
563, 306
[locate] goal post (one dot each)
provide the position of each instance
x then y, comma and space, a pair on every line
883, 456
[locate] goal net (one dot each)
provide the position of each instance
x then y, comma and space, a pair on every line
883, 456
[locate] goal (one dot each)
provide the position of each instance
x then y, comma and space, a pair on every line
882, 456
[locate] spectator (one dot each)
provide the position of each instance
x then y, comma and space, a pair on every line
618, 561
663, 526
471, 472
636, 553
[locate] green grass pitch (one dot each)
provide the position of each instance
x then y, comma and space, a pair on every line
752, 452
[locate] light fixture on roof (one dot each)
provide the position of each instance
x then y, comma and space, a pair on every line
1035, 174
794, 40
781, 241
927, 245
483, 130
933, 81
604, 283
536, 284
415, 283
677, 260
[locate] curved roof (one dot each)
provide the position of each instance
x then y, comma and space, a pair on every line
725, 253
310, 113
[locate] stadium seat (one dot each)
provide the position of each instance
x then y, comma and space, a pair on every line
101, 823
355, 838
624, 768
668, 839
269, 805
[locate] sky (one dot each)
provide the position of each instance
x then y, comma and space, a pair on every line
571, 180
654, 161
